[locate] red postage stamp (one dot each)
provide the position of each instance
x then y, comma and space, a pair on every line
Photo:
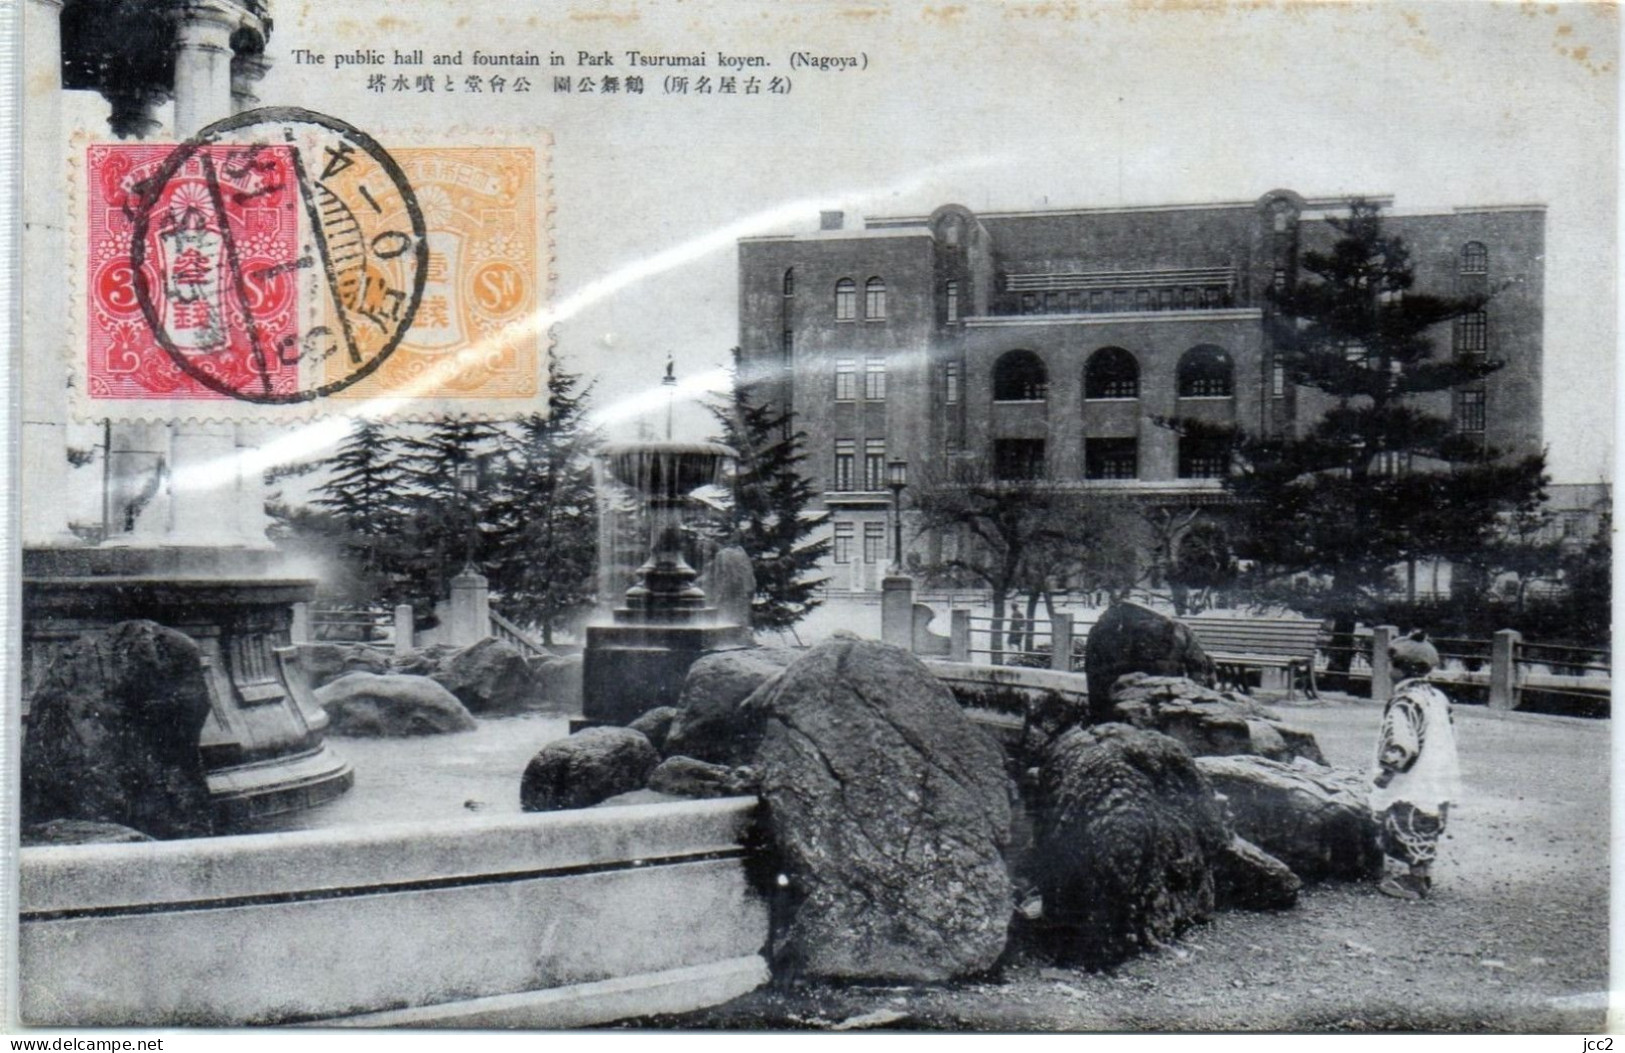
214, 272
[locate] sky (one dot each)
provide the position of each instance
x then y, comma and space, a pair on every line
999, 107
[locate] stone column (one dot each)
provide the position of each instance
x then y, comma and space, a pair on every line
247, 69
44, 450
205, 501
203, 65
405, 629
138, 482
897, 611
959, 636
1382, 670
470, 608
1060, 639
1504, 669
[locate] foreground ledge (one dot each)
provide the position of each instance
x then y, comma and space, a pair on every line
539, 920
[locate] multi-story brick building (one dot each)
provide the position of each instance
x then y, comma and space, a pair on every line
1047, 342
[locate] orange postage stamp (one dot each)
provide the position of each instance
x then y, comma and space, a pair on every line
476, 333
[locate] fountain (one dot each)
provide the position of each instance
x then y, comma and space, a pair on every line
639, 661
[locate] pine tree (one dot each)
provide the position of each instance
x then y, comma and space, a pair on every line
1378, 479
361, 501
437, 516
544, 512
769, 516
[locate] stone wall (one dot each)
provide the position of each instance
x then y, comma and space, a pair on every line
563, 919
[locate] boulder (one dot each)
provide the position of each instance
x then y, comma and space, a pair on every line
113, 734
888, 810
711, 724
558, 681
1210, 723
325, 662
79, 832
587, 768
1128, 831
490, 676
422, 662
1310, 817
392, 705
1129, 638
1046, 715
687, 777
732, 585
656, 725
1245, 877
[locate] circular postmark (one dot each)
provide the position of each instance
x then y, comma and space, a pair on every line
278, 256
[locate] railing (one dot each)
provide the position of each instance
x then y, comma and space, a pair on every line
507, 631
338, 625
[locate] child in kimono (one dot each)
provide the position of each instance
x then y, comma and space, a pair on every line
1416, 775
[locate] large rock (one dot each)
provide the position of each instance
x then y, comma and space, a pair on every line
1310, 817
586, 768
113, 734
424, 661
1129, 638
490, 676
712, 724
656, 725
1245, 877
326, 662
558, 681
1128, 832
393, 705
1210, 723
888, 810
687, 777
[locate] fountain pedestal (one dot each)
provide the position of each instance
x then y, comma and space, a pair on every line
263, 744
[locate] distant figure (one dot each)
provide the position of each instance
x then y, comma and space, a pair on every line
1416, 775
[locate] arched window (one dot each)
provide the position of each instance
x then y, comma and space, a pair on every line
874, 298
1112, 373
790, 282
1475, 258
846, 300
1020, 376
1205, 371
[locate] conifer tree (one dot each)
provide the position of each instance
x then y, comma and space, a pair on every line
1382, 476
361, 502
437, 516
770, 502
544, 513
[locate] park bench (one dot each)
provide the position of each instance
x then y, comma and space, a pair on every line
1239, 646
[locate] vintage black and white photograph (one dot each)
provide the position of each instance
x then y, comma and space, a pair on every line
832, 517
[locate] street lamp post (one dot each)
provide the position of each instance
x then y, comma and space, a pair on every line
468, 484
896, 481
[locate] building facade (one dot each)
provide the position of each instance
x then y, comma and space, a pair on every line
1047, 343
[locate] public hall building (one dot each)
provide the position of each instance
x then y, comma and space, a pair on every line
1046, 343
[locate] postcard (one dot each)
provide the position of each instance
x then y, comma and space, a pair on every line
831, 516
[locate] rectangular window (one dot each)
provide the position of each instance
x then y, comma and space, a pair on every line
846, 379
874, 464
1278, 379
846, 300
1029, 303
1165, 299
1052, 303
874, 379
1074, 302
950, 381
1472, 334
845, 461
874, 299
1470, 410
1097, 302
1110, 459
874, 542
1120, 300
1142, 299
843, 542
1017, 460
953, 301
1202, 459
